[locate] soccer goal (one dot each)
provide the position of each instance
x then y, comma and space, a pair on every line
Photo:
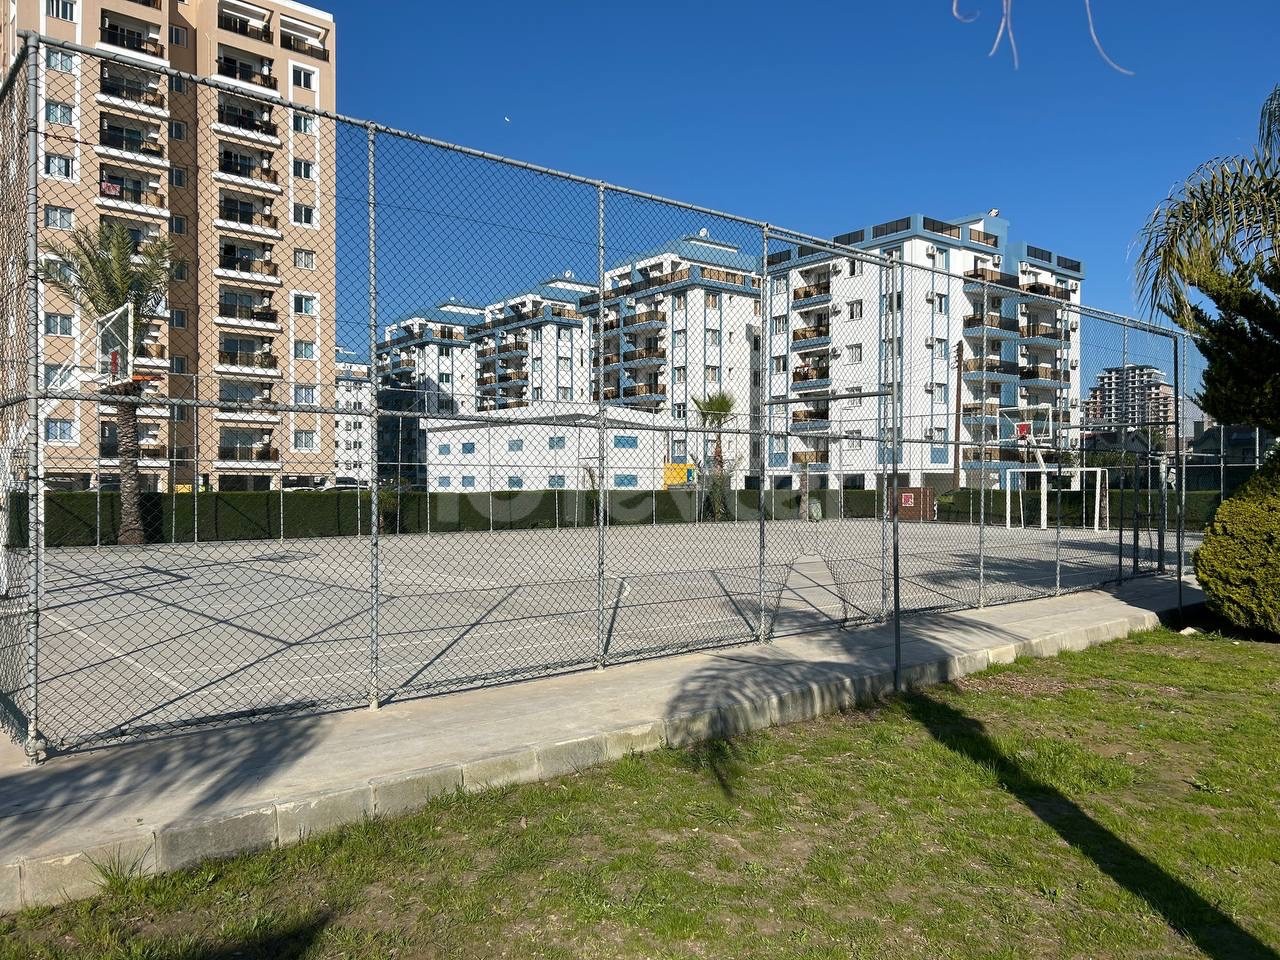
1077, 479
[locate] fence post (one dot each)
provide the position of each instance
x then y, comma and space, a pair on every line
602, 486
764, 627
1179, 460
374, 514
34, 745
982, 459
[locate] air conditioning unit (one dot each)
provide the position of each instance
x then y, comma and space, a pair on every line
1074, 286
1023, 309
1075, 324
1074, 403
928, 388
835, 268
1025, 268
1075, 364
928, 434
835, 310
997, 259
931, 251
928, 298
929, 342
659, 297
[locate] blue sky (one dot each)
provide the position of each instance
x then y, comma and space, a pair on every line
842, 114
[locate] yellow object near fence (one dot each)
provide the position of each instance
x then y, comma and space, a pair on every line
678, 475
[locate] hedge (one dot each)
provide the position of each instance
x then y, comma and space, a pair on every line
1238, 565
962, 506
83, 518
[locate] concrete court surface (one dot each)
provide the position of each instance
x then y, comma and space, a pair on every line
135, 641
167, 803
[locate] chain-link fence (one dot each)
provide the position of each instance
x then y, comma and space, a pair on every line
303, 413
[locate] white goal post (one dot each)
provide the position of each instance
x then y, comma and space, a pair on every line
1101, 502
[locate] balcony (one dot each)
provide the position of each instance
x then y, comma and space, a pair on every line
299, 45
150, 354
980, 412
128, 193
254, 265
810, 338
1043, 375
239, 70
1043, 331
636, 286
249, 454
811, 292
131, 144
237, 311
809, 421
644, 392
245, 120
153, 4
992, 326
983, 275
991, 454
513, 346
650, 318
241, 26
240, 358
403, 365
811, 378
131, 91
247, 218
132, 40
991, 368
980, 236
811, 458
646, 356
1046, 290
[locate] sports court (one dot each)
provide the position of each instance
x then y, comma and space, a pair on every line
138, 640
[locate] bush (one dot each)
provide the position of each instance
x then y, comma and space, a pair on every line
1238, 565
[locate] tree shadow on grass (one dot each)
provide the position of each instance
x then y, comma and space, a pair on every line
291, 942
1182, 908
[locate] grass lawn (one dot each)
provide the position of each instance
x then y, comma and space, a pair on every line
1123, 802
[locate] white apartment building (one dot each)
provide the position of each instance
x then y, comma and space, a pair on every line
978, 350
352, 431
1135, 394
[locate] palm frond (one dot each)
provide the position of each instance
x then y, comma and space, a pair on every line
1269, 124
716, 409
1227, 212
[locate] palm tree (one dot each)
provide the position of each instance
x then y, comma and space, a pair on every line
1225, 215
715, 411
101, 271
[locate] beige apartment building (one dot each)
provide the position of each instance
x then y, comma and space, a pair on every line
245, 190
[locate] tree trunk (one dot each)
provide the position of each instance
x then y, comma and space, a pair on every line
804, 491
130, 481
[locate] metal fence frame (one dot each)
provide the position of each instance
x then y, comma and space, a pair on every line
758, 429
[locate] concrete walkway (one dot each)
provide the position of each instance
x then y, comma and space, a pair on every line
217, 792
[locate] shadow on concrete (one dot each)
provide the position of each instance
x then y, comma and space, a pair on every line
292, 942
200, 770
1182, 908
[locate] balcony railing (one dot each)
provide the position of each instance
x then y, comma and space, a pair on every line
993, 276
810, 416
990, 365
636, 286
244, 28
130, 194
134, 92
118, 141
513, 346
248, 170
249, 454
646, 353
241, 358
247, 264
980, 409
806, 374
299, 45
132, 41
237, 311
244, 120
1042, 372
727, 276
649, 316
980, 236
809, 333
249, 218
153, 4
644, 390
992, 454
992, 321
242, 71
1046, 290
151, 351
810, 456
1044, 330
814, 290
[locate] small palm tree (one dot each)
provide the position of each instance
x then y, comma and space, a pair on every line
1225, 215
715, 412
101, 271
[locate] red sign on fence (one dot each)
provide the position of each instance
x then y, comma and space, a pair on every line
908, 500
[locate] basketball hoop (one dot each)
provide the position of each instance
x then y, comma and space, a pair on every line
1022, 430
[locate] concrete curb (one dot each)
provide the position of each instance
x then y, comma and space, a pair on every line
178, 844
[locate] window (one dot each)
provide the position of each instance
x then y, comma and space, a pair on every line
555, 443
177, 130
939, 303
446, 378
58, 324
304, 439
56, 112
468, 447
468, 480
304, 304
55, 375
564, 393
444, 481
680, 411
563, 333
180, 270
515, 483
625, 479
304, 78
855, 439
304, 349
855, 353
939, 393
304, 169
535, 335
57, 165
515, 445
303, 123
713, 338
855, 309
304, 259
679, 450
178, 35
59, 60
556, 481
304, 214
780, 324
58, 431
713, 374
626, 441
304, 394
177, 84
713, 300
59, 218
178, 225
178, 319
677, 339
444, 449
780, 364
177, 364
677, 374
60, 9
